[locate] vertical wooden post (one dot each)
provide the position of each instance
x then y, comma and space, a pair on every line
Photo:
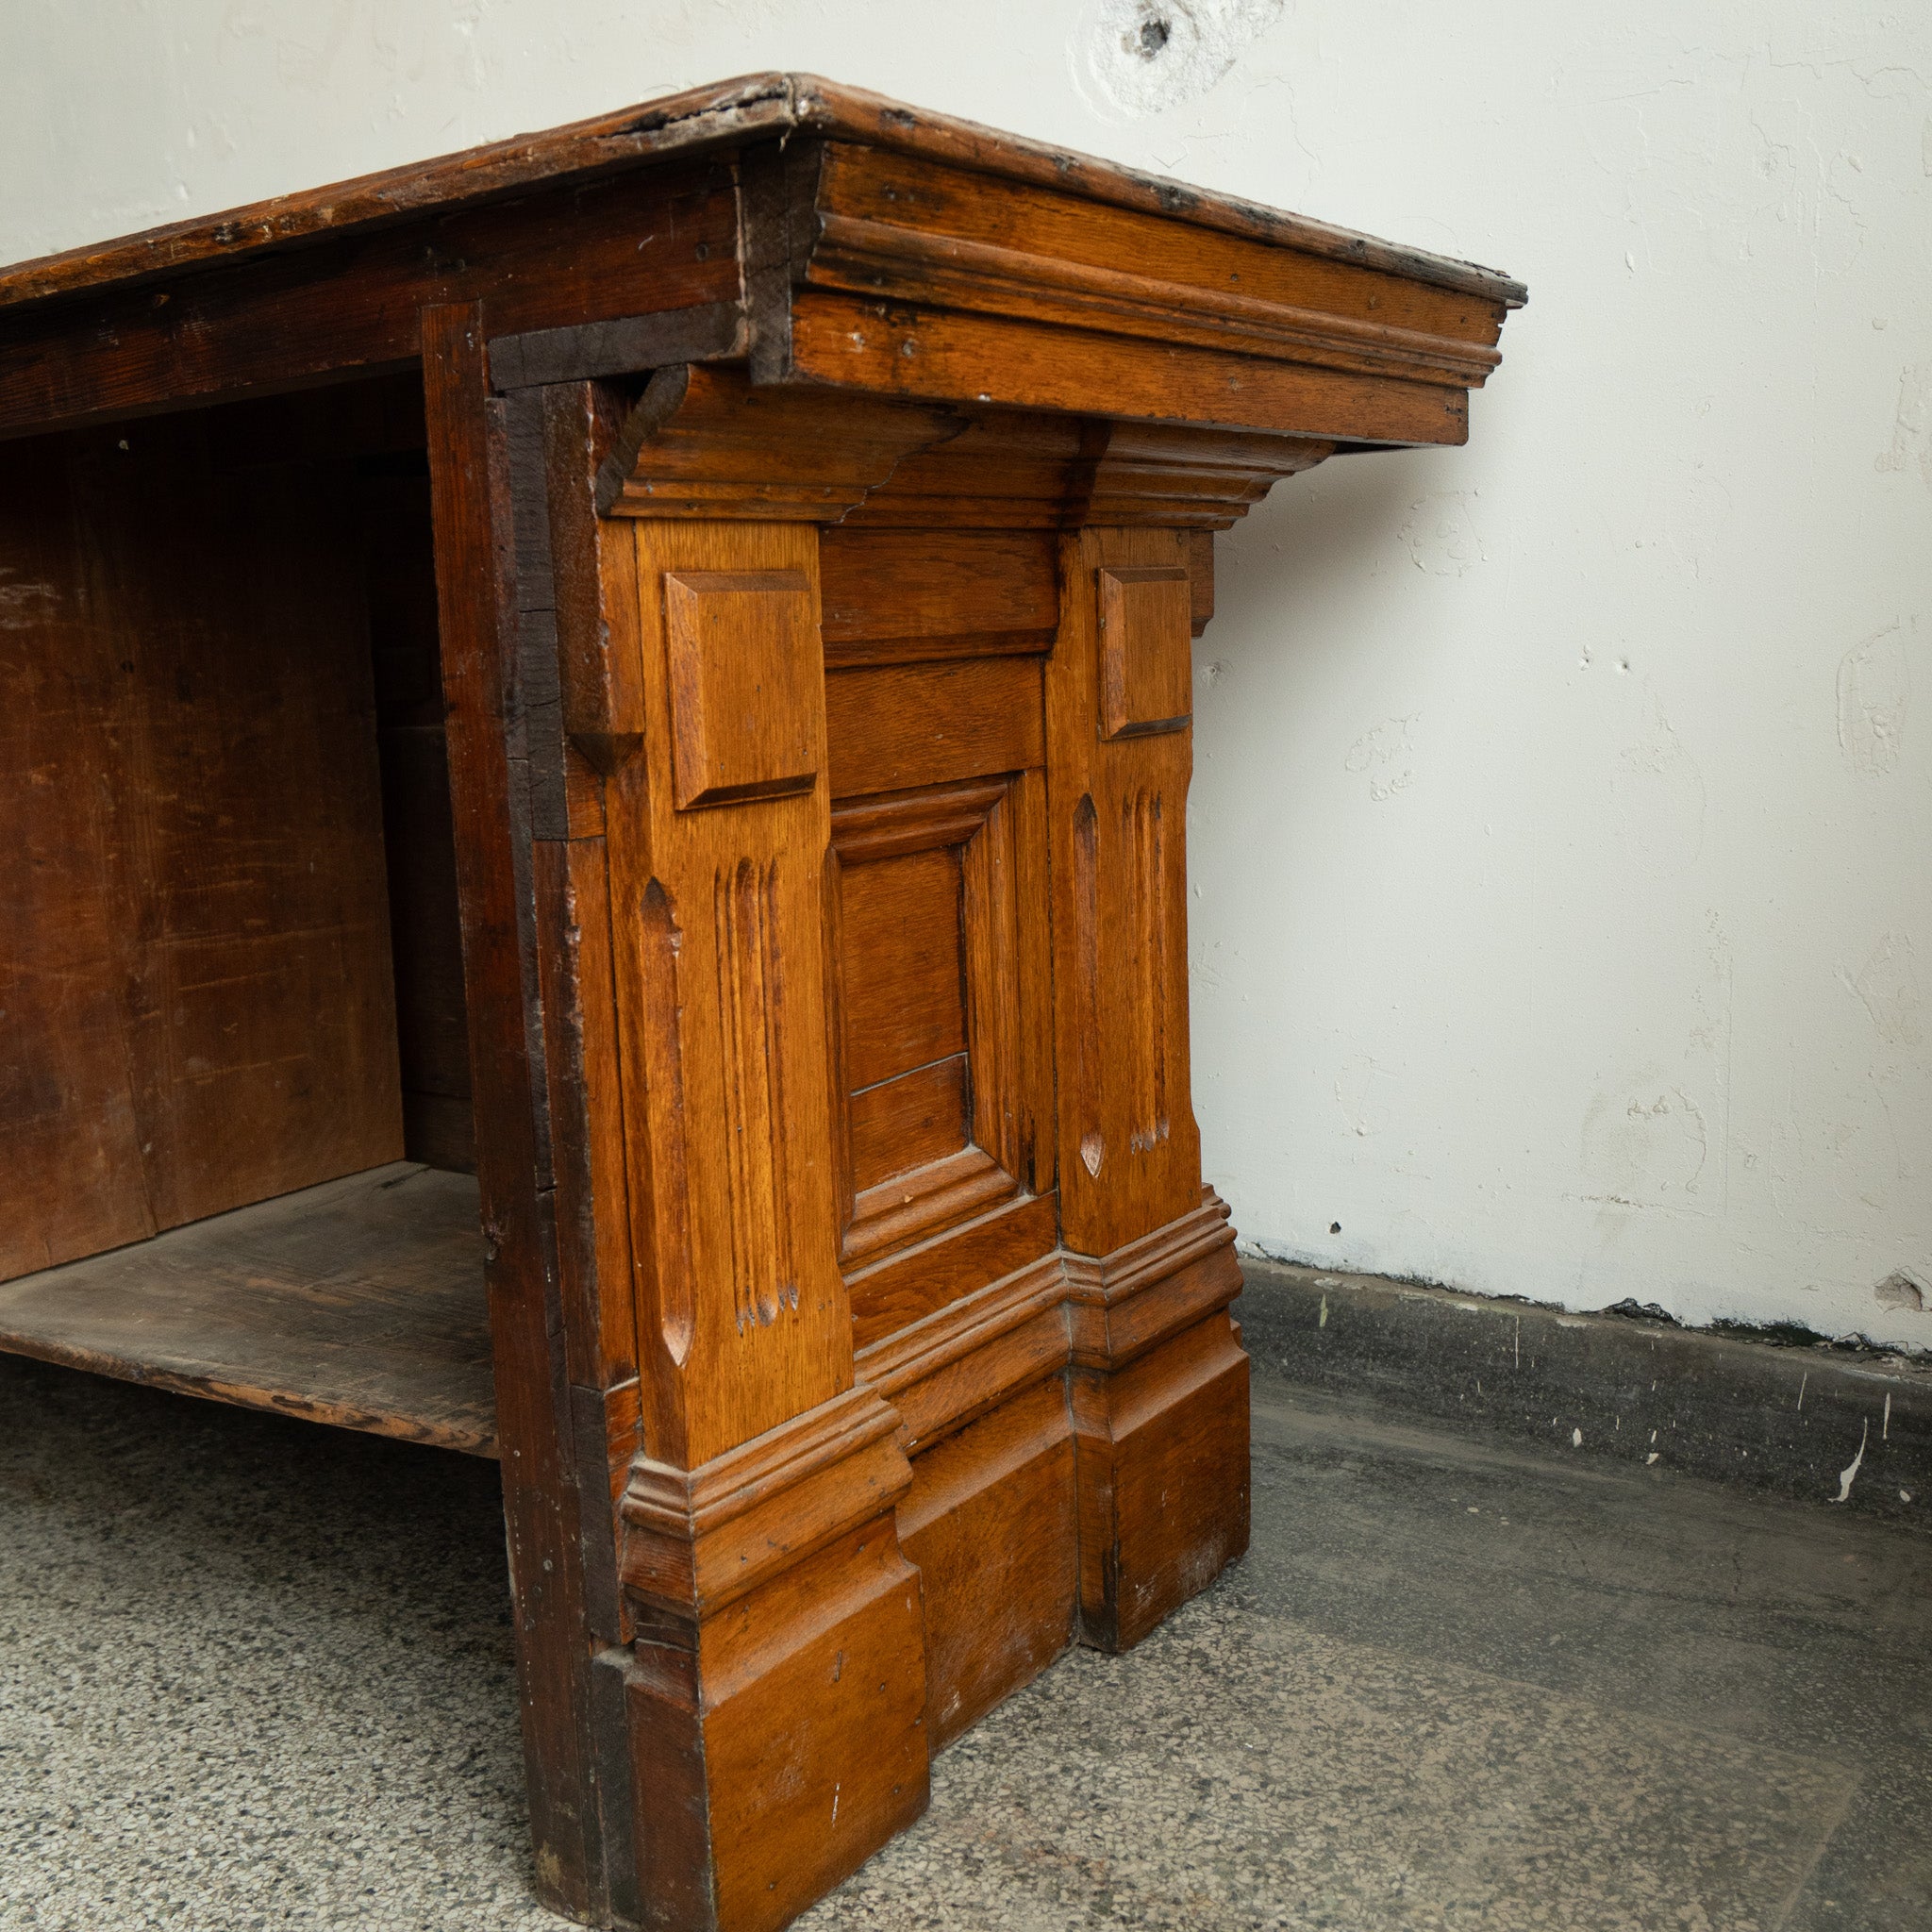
474, 592
1160, 1381
778, 1679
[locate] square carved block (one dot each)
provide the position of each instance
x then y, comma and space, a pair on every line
744, 667
1146, 649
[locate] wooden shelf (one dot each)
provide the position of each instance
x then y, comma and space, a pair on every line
359, 1303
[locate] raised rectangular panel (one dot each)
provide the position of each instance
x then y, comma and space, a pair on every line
1146, 664
932, 969
905, 998
744, 668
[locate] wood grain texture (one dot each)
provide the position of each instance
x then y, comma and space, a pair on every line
418, 836
743, 653
991, 1524
578, 1834
1159, 1393
705, 442
823, 497
934, 956
716, 920
965, 1358
917, 232
894, 1294
586, 1104
894, 726
195, 966
777, 1660
359, 1303
930, 355
905, 993
1172, 1424
806, 1699
894, 596
288, 319
1129, 1153
1199, 550
908, 1119
1146, 669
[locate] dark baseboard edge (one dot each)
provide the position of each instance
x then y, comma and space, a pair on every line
1789, 1420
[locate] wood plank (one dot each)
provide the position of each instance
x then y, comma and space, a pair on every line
1129, 1148
718, 956
903, 596
192, 894
360, 1303
71, 1170
990, 1522
419, 837
896, 726
897, 1292
542, 1513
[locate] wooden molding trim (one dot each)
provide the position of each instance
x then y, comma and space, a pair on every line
970, 1357
705, 442
1124, 1303
881, 260
951, 1367
698, 1540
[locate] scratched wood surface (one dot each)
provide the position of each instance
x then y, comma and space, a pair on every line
360, 1302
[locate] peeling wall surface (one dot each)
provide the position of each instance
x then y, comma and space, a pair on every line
1562, 819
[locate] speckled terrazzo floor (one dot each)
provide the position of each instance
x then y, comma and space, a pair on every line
254, 1673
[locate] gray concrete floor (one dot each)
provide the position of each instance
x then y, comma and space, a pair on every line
256, 1673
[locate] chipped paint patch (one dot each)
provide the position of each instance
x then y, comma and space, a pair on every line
1133, 58
1849, 1474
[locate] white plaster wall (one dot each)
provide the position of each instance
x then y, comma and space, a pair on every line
1564, 805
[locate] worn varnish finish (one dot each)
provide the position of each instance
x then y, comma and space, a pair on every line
358, 1302
653, 662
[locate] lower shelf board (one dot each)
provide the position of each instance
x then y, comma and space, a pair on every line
359, 1303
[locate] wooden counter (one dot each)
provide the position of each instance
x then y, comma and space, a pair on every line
723, 574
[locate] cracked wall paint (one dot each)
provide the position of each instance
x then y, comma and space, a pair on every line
1911, 428
1887, 986
1386, 754
1874, 687
1442, 534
